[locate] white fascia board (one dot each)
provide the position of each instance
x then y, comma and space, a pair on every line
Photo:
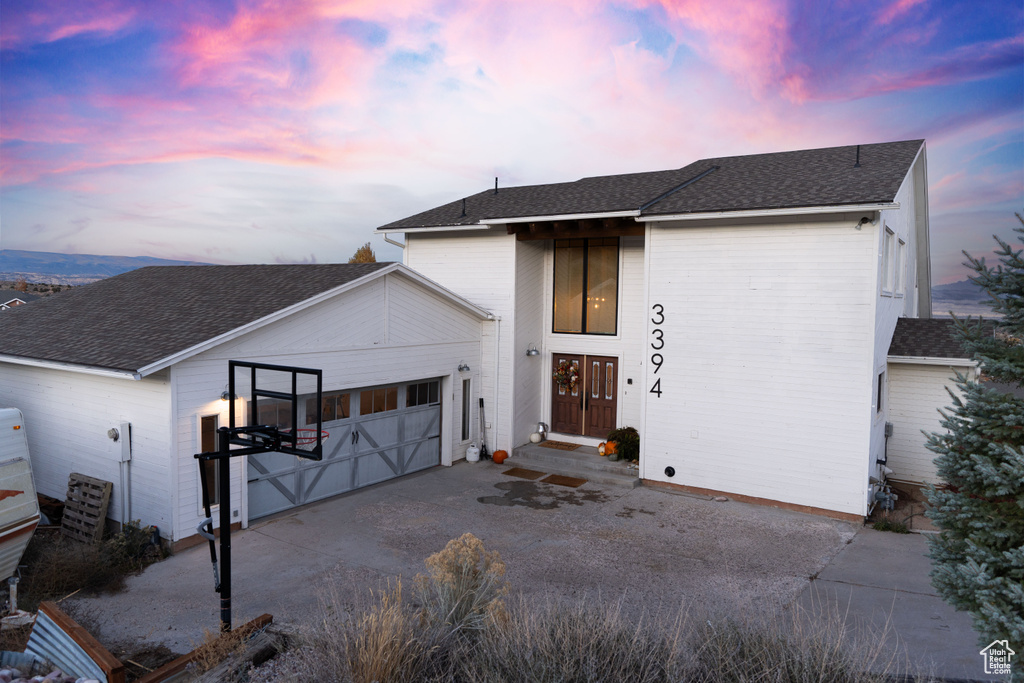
439, 228
763, 213
302, 305
561, 217
70, 367
932, 360
408, 272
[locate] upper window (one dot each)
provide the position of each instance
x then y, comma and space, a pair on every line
586, 286
888, 261
901, 267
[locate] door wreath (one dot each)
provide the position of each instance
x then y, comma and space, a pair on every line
566, 375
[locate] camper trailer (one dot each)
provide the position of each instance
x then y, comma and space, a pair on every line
19, 507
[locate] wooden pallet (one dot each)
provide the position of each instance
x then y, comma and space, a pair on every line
85, 509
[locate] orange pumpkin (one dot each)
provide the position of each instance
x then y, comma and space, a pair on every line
600, 448
499, 456
610, 448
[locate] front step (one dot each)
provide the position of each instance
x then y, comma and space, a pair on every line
583, 463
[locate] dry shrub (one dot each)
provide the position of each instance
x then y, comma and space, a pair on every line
215, 648
465, 588
58, 566
578, 643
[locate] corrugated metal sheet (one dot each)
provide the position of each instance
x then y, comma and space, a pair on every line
48, 641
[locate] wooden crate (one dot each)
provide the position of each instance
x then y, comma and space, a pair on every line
85, 509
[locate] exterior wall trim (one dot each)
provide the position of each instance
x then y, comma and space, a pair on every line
70, 367
932, 360
759, 213
738, 497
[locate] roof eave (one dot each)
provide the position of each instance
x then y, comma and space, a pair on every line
561, 217
933, 360
70, 367
759, 213
433, 228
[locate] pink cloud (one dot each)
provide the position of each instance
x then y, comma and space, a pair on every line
895, 10
102, 24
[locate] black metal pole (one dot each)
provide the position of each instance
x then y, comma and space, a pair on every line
224, 465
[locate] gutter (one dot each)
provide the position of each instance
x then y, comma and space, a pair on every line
70, 367
932, 360
763, 213
436, 228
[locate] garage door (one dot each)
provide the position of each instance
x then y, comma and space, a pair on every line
376, 434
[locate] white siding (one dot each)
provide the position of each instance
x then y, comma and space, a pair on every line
530, 372
916, 393
481, 267
429, 337
889, 307
767, 352
67, 415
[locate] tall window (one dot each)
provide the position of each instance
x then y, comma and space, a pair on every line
888, 261
466, 407
208, 443
586, 285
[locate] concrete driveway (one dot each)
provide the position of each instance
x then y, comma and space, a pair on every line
650, 549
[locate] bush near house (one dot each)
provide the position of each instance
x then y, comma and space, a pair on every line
627, 442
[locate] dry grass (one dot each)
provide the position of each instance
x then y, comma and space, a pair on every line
215, 648
459, 629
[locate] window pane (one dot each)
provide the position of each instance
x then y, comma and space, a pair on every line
465, 409
366, 402
391, 398
329, 409
602, 285
343, 407
410, 396
208, 443
378, 400
434, 390
568, 286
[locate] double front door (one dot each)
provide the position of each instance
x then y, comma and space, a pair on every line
588, 409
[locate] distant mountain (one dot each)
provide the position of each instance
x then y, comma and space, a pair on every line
963, 298
73, 269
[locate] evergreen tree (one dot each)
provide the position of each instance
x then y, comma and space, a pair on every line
978, 558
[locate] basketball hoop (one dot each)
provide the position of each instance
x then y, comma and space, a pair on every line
307, 437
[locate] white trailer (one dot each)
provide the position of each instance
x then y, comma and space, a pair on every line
19, 507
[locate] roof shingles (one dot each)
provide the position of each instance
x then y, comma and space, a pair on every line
926, 338
132, 320
814, 177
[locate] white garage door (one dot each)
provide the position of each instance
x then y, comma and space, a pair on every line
376, 434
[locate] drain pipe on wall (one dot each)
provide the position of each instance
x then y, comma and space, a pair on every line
391, 241
126, 458
497, 374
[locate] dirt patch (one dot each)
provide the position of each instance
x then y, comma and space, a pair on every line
908, 512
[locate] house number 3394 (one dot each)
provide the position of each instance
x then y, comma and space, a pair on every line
657, 344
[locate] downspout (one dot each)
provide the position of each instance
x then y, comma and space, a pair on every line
126, 458
387, 239
497, 374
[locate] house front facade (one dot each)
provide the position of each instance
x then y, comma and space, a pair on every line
737, 311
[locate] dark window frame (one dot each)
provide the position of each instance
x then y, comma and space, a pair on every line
583, 295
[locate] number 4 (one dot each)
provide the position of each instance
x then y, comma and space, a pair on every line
656, 389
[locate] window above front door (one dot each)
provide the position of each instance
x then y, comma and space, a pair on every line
586, 286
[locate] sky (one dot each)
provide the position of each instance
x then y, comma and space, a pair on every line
264, 132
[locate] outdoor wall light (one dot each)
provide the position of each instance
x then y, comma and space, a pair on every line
225, 396
463, 367
532, 350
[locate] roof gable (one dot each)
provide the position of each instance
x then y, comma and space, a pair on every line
132, 321
805, 178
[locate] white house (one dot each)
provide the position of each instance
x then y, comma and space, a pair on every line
924, 358
147, 353
738, 311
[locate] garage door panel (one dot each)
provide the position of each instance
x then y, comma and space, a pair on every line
270, 495
361, 450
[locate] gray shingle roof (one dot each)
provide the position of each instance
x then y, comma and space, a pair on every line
133, 320
814, 177
926, 338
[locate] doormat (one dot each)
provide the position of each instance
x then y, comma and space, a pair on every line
523, 473
560, 480
560, 445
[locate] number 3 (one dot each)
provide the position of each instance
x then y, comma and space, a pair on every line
659, 310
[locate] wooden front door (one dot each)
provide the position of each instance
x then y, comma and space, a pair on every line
566, 404
588, 409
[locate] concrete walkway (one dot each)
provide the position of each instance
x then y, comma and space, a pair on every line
880, 581
647, 549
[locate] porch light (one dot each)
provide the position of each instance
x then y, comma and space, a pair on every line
532, 350
463, 367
